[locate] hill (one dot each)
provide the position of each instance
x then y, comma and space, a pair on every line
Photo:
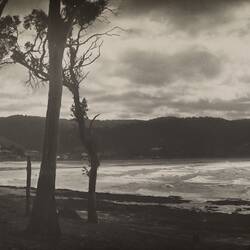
161, 137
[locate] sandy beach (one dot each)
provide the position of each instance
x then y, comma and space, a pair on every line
126, 222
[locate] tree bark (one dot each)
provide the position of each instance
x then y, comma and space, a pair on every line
89, 144
2, 6
44, 219
92, 213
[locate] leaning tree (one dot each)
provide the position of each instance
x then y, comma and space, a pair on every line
83, 51
43, 57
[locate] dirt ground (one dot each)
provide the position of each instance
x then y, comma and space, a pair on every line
125, 222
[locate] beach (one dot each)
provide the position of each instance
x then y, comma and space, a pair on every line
125, 222
192, 204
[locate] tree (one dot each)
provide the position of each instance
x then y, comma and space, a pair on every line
3, 50
28, 185
60, 26
83, 52
3, 3
80, 51
43, 57
44, 216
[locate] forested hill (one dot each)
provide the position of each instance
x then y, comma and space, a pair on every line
161, 137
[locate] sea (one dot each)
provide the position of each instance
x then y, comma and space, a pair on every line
196, 180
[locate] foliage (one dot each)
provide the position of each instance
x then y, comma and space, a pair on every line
76, 17
83, 107
8, 34
85, 11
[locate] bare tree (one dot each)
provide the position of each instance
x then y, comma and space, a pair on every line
43, 57
83, 52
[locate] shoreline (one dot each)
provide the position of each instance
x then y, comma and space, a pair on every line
131, 160
220, 206
125, 226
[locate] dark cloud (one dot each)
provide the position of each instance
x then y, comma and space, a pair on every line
186, 6
231, 109
147, 62
135, 102
147, 105
192, 16
152, 68
245, 78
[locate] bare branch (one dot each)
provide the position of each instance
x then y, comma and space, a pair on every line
92, 122
106, 33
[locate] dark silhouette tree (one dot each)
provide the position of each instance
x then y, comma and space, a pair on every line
79, 109
3, 3
5, 41
44, 216
60, 26
80, 51
43, 57
83, 52
28, 185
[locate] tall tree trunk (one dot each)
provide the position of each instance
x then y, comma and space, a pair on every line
92, 213
2, 6
44, 219
89, 144
28, 184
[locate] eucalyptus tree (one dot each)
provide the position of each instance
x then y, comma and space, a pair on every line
43, 56
82, 52
3, 3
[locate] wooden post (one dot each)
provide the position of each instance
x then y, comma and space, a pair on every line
28, 184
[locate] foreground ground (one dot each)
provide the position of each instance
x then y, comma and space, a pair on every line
126, 222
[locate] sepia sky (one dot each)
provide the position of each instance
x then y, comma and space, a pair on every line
176, 58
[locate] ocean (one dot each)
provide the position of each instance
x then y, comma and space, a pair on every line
197, 180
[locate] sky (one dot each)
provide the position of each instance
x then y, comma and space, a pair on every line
173, 58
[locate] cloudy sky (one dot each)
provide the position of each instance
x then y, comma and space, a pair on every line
176, 58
